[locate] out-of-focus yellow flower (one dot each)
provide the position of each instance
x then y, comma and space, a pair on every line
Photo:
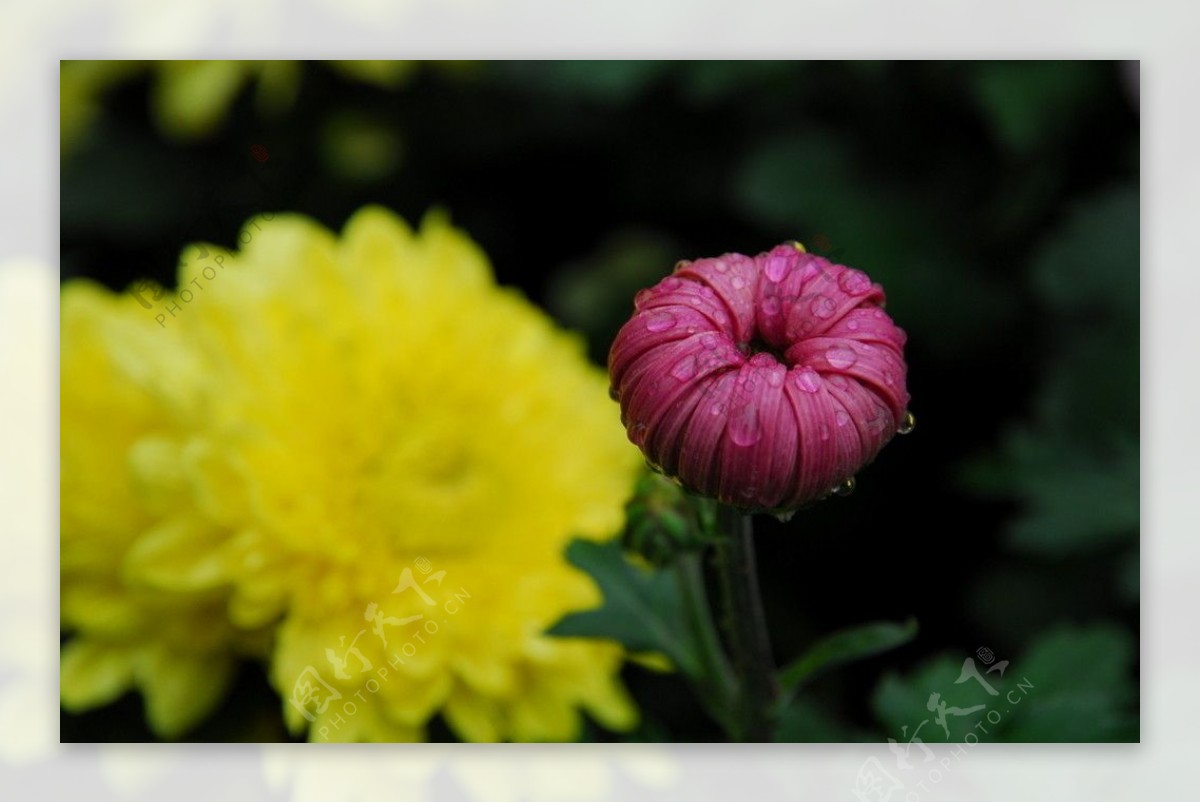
383, 454
121, 491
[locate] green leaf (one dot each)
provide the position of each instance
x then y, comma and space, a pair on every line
1073, 684
845, 646
1081, 688
642, 610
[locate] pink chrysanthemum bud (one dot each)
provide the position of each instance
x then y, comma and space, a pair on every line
764, 382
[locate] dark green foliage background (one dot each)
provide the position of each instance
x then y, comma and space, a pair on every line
998, 204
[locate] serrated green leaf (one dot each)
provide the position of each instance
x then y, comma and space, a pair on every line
642, 609
847, 645
1081, 688
1073, 684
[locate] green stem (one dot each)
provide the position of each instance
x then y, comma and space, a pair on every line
746, 628
717, 687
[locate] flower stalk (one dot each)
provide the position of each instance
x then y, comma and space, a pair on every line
746, 629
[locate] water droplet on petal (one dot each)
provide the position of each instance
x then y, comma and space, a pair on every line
717, 409
783, 516
841, 357
612, 393
823, 307
641, 297
842, 418
838, 381
638, 434
671, 283
777, 268
744, 429
659, 321
762, 359
707, 291
771, 305
908, 424
824, 432
738, 282
685, 369
879, 314
775, 376
683, 263
852, 326
855, 282
720, 265
846, 488
808, 381
720, 317
655, 467
889, 378
709, 341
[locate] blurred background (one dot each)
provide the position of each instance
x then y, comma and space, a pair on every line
997, 202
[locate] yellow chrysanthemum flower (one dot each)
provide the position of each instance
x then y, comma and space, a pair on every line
385, 453
117, 493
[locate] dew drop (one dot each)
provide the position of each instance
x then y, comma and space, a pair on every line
744, 429
641, 297
771, 305
824, 432
612, 393
707, 291
683, 263
852, 326
717, 409
655, 467
845, 488
671, 283
720, 317
841, 357
889, 378
855, 282
748, 385
777, 268
775, 376
721, 265
762, 360
783, 516
842, 418
908, 424
685, 369
838, 381
738, 282
823, 307
879, 314
808, 381
659, 321
709, 341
